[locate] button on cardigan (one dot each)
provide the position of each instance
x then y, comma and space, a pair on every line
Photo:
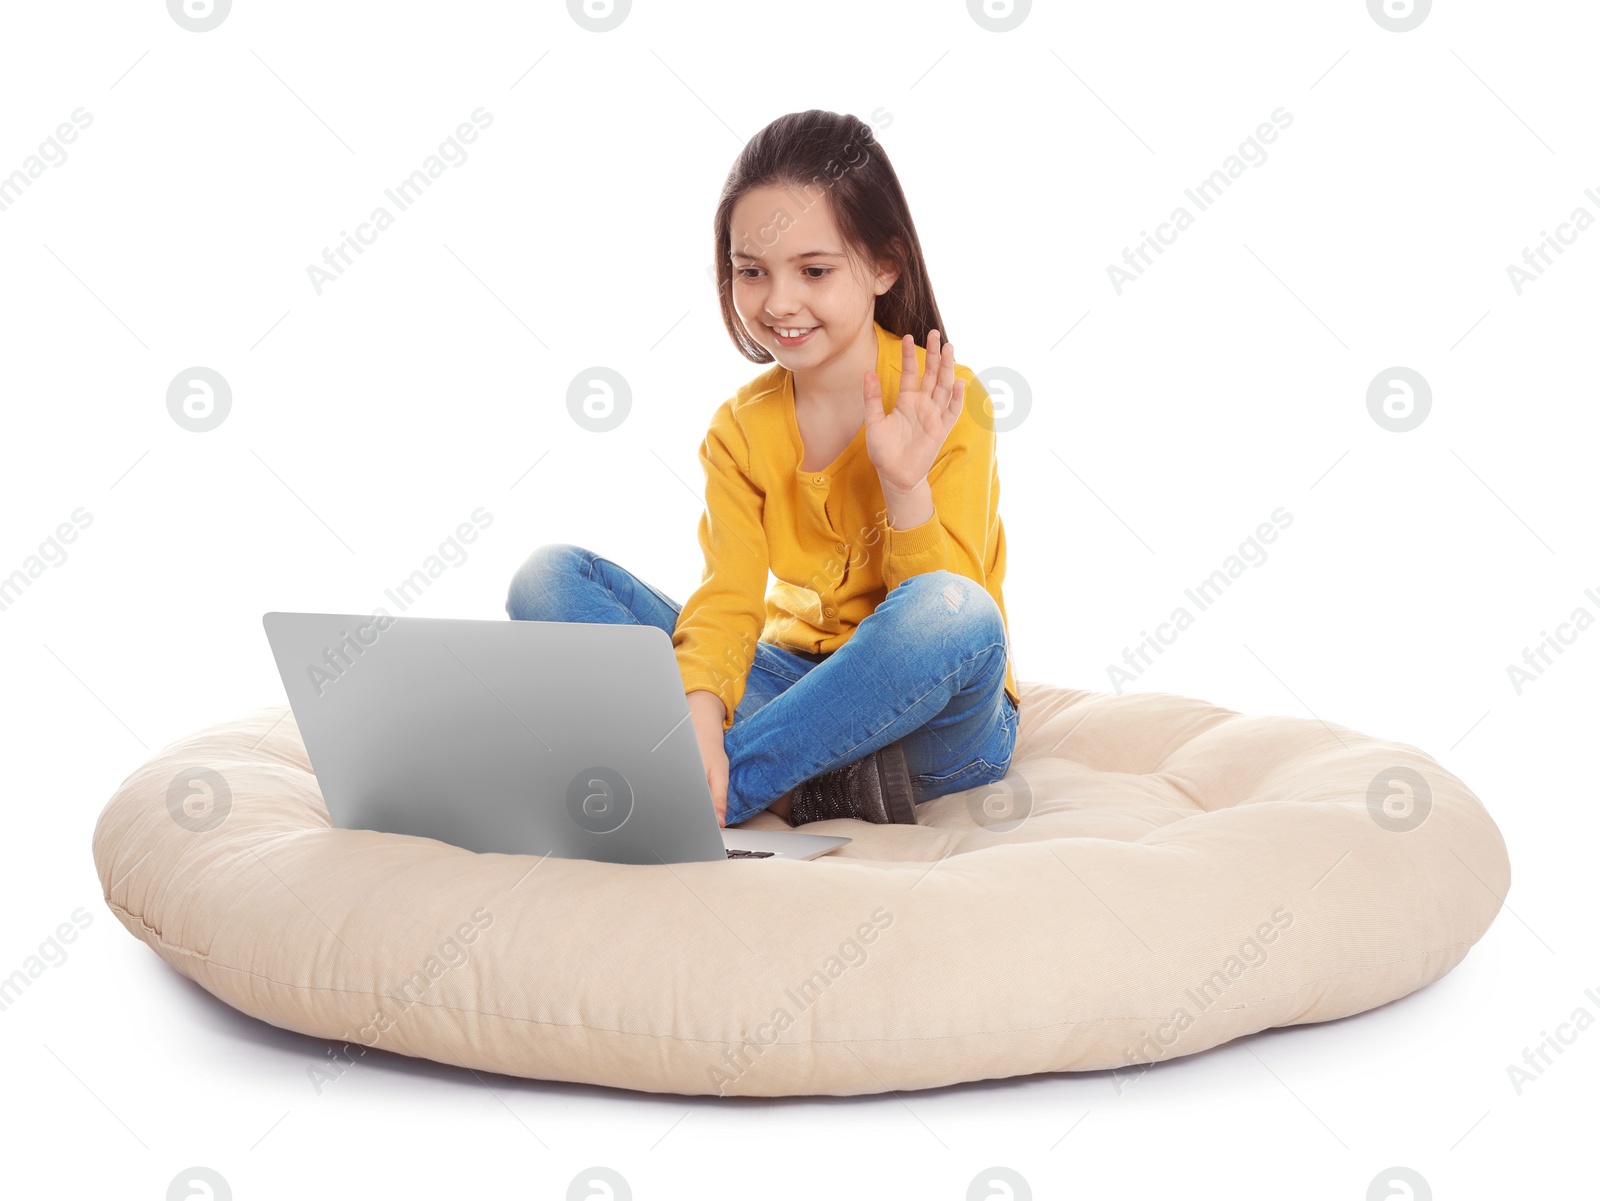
824, 535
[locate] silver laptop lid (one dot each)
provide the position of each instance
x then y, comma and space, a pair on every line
573, 738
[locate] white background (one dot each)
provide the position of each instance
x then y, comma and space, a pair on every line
1166, 423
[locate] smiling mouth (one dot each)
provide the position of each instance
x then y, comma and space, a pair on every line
792, 340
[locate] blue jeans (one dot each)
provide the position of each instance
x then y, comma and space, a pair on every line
927, 666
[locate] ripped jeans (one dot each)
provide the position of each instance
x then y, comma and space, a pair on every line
927, 666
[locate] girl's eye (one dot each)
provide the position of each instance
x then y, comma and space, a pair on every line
748, 272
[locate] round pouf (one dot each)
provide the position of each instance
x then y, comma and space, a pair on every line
1154, 876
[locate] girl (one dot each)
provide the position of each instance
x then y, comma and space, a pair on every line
877, 672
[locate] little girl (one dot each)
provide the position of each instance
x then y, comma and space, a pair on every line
860, 471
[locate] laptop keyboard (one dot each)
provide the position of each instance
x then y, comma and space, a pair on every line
751, 854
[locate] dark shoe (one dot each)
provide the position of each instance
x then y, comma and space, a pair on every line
876, 788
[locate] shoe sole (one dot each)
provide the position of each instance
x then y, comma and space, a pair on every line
894, 782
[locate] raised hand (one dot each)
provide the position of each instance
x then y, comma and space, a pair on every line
904, 444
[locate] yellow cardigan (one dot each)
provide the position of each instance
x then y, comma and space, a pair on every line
824, 535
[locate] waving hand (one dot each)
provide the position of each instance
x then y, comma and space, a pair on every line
904, 444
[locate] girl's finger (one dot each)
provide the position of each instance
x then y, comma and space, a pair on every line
945, 379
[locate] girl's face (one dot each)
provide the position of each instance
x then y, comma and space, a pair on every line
791, 272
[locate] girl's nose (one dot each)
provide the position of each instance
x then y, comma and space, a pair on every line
780, 302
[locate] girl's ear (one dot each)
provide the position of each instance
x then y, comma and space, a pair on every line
889, 269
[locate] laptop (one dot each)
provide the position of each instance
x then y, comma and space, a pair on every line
570, 739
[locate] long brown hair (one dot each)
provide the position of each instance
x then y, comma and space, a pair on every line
834, 158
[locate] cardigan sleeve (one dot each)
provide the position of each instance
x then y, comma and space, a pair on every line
965, 482
721, 622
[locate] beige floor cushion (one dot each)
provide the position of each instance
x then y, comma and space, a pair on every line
1155, 876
